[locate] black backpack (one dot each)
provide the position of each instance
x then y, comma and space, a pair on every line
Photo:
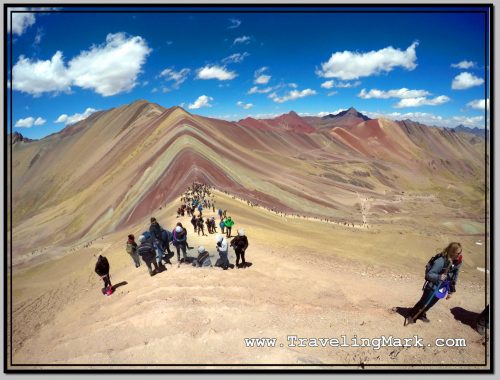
430, 263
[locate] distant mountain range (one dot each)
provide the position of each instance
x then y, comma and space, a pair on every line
480, 132
118, 166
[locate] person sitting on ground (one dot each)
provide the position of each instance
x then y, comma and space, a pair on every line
147, 252
445, 268
132, 250
228, 223
221, 246
180, 242
102, 270
240, 245
203, 259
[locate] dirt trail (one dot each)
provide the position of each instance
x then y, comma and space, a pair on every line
297, 285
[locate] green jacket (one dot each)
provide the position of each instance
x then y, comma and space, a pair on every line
229, 223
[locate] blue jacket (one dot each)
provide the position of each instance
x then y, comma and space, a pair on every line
439, 266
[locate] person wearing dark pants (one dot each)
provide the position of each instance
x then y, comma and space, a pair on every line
445, 268
240, 244
102, 270
148, 254
483, 321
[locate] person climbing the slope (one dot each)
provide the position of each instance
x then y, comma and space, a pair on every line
194, 222
156, 234
200, 224
132, 250
441, 276
180, 242
229, 223
240, 245
102, 270
222, 226
147, 252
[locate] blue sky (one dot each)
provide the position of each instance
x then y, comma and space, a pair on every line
429, 67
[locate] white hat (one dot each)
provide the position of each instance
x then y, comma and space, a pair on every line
201, 249
241, 232
178, 229
142, 239
218, 238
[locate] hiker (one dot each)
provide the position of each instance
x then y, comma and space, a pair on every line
147, 252
240, 245
224, 213
209, 225
203, 259
194, 222
132, 251
221, 246
212, 222
229, 223
200, 210
219, 211
102, 270
180, 242
222, 225
200, 224
483, 321
442, 269
155, 231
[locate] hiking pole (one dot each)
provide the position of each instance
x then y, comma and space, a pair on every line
410, 320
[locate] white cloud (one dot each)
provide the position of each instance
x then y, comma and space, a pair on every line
202, 101
21, 20
245, 106
422, 101
464, 65
292, 85
479, 104
154, 90
469, 121
38, 77
331, 84
235, 58
466, 80
38, 37
29, 122
256, 90
178, 77
331, 93
402, 93
292, 95
429, 119
235, 23
328, 84
260, 78
66, 120
349, 65
242, 40
110, 68
321, 114
215, 72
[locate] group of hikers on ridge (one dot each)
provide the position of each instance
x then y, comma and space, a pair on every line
154, 244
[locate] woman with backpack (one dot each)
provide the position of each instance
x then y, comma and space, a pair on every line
440, 279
